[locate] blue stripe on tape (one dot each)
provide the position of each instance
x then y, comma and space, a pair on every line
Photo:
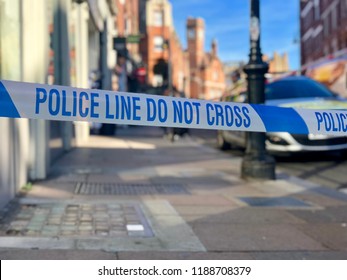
278, 119
7, 107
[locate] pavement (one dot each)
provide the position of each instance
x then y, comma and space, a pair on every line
138, 196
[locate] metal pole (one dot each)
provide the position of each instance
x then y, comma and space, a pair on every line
62, 58
106, 80
256, 164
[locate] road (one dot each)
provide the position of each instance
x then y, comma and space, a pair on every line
327, 169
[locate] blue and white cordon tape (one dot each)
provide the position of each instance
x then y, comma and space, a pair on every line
39, 101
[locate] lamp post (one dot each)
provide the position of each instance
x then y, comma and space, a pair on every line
256, 164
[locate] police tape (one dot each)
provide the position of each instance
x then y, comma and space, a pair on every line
40, 101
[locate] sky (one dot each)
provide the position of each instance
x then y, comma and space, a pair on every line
228, 22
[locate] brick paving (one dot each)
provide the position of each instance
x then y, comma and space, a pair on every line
74, 219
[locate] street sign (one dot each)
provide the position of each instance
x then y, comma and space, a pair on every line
119, 44
133, 39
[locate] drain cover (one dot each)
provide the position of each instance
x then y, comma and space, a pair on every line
128, 189
274, 202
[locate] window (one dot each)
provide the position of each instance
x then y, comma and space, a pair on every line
158, 43
127, 26
344, 9
191, 33
215, 75
316, 10
334, 18
326, 26
200, 33
309, 18
158, 18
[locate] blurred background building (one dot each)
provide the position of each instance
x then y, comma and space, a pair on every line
323, 37
67, 42
278, 64
160, 46
323, 29
207, 79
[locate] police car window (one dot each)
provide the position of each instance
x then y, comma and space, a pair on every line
286, 89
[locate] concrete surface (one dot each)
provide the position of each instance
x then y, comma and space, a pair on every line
212, 219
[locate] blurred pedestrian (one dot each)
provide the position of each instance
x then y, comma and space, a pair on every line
121, 72
174, 133
119, 83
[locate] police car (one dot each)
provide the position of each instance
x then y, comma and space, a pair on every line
294, 92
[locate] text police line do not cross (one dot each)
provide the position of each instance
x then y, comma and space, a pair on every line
38, 101
80, 104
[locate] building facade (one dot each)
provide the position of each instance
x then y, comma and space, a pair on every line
49, 41
324, 42
323, 29
207, 79
278, 64
127, 22
160, 46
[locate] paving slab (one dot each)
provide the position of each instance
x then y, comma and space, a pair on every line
172, 230
52, 189
333, 236
229, 238
318, 199
300, 255
331, 193
278, 187
204, 210
251, 216
103, 178
240, 190
183, 256
49, 254
201, 200
37, 243
333, 214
